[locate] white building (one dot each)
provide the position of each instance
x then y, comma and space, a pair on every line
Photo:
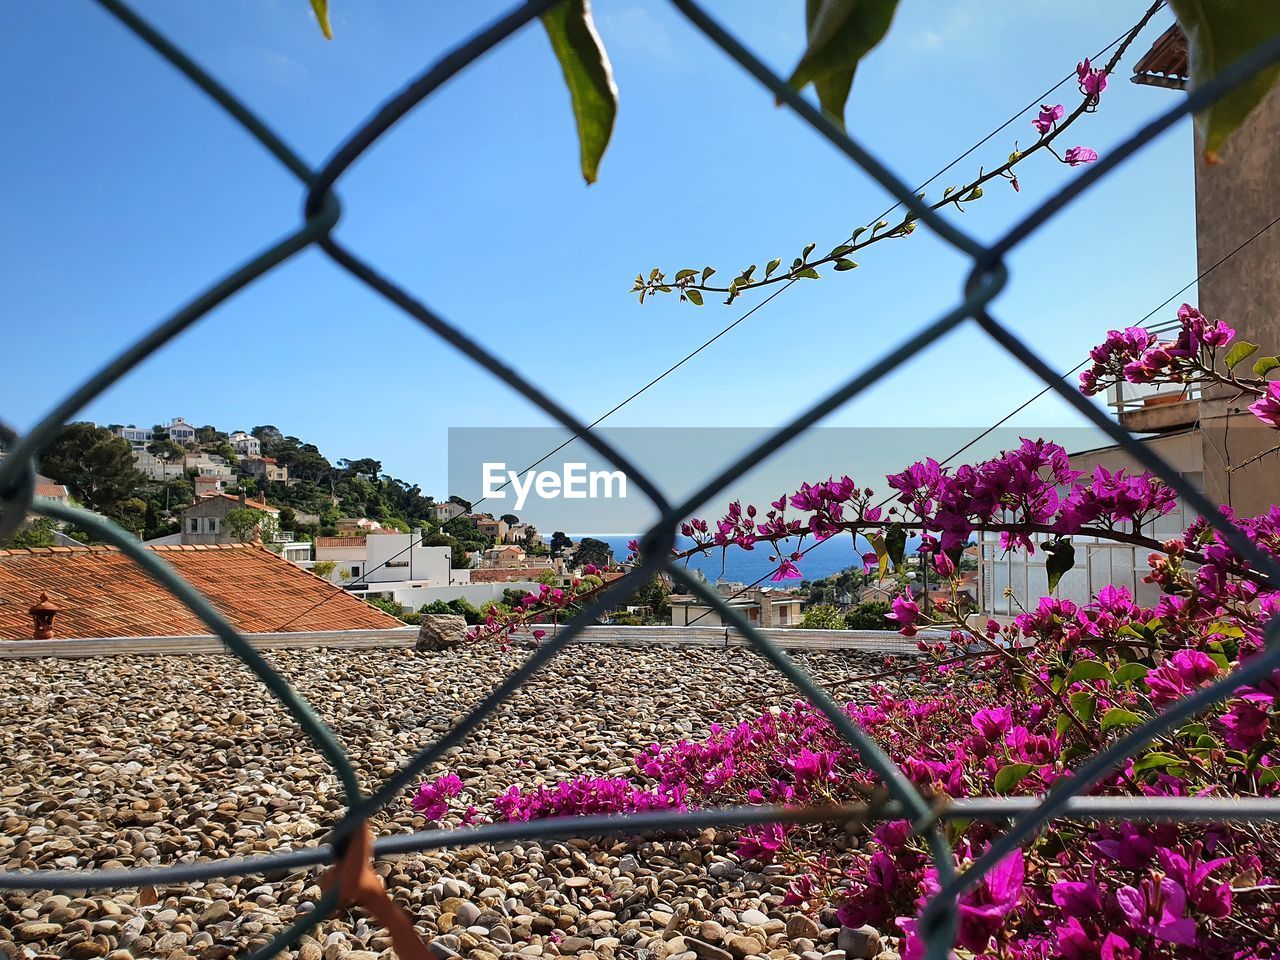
155, 468
180, 431
209, 465
245, 444
138, 437
444, 512
383, 562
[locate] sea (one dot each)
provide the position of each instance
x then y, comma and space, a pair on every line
746, 566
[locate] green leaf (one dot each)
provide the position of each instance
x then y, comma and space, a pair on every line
1129, 672
895, 541
1156, 761
840, 33
1120, 717
1264, 365
1064, 724
685, 274
809, 274
707, 272
1089, 670
773, 265
882, 555
1242, 351
695, 297
808, 249
843, 264
1061, 558
588, 75
857, 233
1085, 704
321, 9
840, 251
1220, 32
1007, 777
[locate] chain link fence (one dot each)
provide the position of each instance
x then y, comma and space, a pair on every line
900, 799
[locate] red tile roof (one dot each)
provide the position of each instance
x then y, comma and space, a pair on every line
54, 490
255, 504
103, 594
340, 541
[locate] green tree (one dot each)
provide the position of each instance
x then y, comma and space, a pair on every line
95, 465
324, 568
163, 447
510, 519
823, 616
37, 533
593, 551
559, 541
869, 616
246, 523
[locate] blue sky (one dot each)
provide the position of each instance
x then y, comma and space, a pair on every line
128, 192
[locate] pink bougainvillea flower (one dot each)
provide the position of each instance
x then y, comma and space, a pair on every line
1080, 155
1158, 910
1047, 117
788, 571
905, 613
1267, 408
1092, 80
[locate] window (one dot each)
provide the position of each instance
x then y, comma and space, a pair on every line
211, 525
193, 525
782, 614
355, 569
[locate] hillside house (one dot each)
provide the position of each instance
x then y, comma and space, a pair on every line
205, 521
263, 468
245, 444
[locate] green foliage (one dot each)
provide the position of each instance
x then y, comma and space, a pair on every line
593, 551
321, 10
840, 33
385, 605
460, 607
1242, 351
36, 533
324, 568
245, 522
869, 616
1220, 32
823, 616
559, 541
1060, 557
95, 465
549, 577
589, 77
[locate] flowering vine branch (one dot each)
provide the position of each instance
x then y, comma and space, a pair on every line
691, 285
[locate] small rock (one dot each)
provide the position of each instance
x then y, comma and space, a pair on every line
859, 943
38, 931
801, 927
708, 951
742, 946
753, 918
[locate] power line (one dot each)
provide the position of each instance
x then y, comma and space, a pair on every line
1032, 399
707, 343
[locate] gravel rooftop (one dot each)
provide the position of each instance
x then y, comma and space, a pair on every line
133, 761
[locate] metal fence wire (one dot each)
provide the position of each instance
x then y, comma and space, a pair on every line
987, 277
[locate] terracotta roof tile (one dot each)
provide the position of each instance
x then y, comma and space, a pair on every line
50, 490
103, 594
340, 541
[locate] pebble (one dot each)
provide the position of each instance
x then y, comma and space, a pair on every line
125, 761
859, 943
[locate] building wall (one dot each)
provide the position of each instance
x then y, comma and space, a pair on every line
1236, 198
390, 558
477, 594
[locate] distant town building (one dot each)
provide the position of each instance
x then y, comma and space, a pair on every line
263, 468
504, 556
180, 431
138, 437
357, 525
51, 492
762, 607
156, 468
487, 525
205, 521
444, 512
245, 444
207, 486
209, 465
521, 533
